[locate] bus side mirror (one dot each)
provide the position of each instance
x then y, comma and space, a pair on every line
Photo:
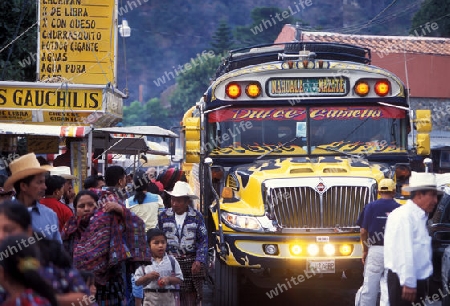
192, 138
423, 122
423, 125
423, 144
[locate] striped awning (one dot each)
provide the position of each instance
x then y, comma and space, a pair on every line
44, 130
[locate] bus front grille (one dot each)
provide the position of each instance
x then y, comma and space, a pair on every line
304, 207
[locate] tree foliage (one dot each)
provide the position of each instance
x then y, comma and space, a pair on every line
267, 23
18, 60
192, 84
432, 11
222, 40
150, 113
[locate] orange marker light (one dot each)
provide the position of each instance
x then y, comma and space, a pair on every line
382, 88
253, 90
233, 90
227, 193
362, 88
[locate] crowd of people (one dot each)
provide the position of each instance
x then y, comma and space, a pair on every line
112, 245
107, 244
397, 252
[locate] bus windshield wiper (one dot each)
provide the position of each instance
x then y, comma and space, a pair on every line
217, 108
277, 147
339, 151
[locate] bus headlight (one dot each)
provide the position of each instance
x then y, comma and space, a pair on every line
329, 249
313, 249
271, 249
239, 222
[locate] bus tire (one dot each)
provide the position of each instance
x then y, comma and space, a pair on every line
226, 284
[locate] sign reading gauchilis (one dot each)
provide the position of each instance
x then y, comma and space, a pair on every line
290, 87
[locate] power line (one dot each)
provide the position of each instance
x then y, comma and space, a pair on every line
14, 40
374, 18
405, 10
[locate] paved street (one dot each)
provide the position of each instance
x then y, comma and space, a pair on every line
339, 295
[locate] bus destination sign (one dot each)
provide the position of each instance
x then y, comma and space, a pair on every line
312, 86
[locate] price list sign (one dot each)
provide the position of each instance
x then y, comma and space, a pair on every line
76, 41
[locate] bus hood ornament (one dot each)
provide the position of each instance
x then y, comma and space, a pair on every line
321, 188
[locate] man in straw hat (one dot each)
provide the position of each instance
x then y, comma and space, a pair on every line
407, 244
28, 179
187, 240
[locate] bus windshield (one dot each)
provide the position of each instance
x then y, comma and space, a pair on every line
307, 130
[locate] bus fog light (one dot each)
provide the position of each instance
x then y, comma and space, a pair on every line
295, 249
345, 249
270, 249
329, 249
313, 249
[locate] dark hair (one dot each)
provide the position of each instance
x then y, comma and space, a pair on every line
82, 193
155, 232
26, 180
153, 188
53, 253
91, 182
413, 194
17, 212
27, 276
113, 174
53, 183
42, 160
140, 181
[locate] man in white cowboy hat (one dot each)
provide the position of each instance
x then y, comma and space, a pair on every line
187, 240
28, 179
407, 244
372, 222
69, 193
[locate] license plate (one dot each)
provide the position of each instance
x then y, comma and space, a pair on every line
320, 265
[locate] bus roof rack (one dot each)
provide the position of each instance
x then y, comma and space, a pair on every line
270, 52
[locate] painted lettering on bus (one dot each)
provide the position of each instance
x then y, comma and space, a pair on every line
265, 114
308, 86
345, 113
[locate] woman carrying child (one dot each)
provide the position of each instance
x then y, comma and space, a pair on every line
162, 275
106, 238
